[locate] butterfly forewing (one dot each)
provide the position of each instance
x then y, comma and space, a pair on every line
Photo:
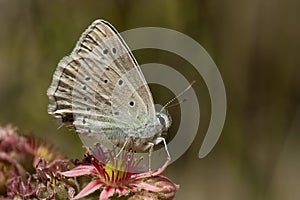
99, 88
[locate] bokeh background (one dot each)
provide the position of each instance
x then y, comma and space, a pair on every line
255, 44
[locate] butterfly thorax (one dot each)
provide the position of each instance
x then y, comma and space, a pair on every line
141, 138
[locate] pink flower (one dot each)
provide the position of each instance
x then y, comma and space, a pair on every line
119, 176
40, 149
20, 178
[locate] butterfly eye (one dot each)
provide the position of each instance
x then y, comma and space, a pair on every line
87, 78
105, 81
114, 50
162, 120
131, 103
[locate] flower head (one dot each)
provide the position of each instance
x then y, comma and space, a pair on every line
119, 175
40, 149
21, 178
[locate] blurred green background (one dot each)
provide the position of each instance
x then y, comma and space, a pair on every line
255, 44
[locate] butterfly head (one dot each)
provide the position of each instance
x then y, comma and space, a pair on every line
164, 119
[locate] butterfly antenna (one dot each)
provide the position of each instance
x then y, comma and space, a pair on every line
177, 96
175, 104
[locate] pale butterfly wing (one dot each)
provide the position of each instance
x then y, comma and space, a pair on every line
99, 88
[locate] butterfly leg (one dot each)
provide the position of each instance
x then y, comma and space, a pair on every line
150, 154
124, 145
161, 139
151, 146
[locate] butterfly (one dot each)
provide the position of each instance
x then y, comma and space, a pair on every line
100, 92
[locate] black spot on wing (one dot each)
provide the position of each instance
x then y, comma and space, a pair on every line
67, 118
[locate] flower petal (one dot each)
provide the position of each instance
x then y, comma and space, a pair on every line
90, 188
106, 193
168, 188
147, 186
121, 191
79, 171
